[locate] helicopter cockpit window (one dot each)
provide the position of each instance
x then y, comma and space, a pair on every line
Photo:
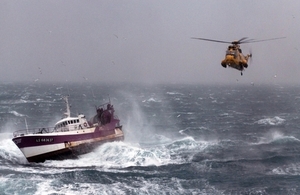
231, 52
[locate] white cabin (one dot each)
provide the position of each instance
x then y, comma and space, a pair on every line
72, 123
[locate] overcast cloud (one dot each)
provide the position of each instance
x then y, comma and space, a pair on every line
146, 41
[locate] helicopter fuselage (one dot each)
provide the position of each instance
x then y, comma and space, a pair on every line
235, 59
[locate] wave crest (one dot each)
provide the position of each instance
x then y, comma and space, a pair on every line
271, 121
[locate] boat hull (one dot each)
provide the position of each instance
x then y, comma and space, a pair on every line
62, 145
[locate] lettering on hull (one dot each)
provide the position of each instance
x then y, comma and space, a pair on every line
44, 140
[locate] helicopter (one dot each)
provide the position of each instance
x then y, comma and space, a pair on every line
234, 57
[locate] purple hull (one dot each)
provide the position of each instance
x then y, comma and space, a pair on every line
39, 140
70, 152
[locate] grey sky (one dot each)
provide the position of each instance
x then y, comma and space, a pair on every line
146, 41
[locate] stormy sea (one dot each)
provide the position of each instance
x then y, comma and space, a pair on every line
179, 139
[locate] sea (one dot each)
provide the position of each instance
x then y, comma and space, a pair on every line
239, 139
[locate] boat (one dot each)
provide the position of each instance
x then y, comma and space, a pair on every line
70, 136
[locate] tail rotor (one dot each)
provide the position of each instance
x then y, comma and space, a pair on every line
250, 56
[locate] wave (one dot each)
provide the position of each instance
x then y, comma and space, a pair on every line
12, 102
174, 93
271, 121
287, 169
154, 139
9, 152
186, 143
16, 113
276, 137
151, 100
140, 185
116, 155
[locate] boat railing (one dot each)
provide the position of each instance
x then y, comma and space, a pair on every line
44, 130
33, 131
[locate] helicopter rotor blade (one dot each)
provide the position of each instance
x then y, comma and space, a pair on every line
254, 41
241, 40
248, 41
212, 40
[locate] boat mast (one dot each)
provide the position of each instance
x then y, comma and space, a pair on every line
26, 126
67, 113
